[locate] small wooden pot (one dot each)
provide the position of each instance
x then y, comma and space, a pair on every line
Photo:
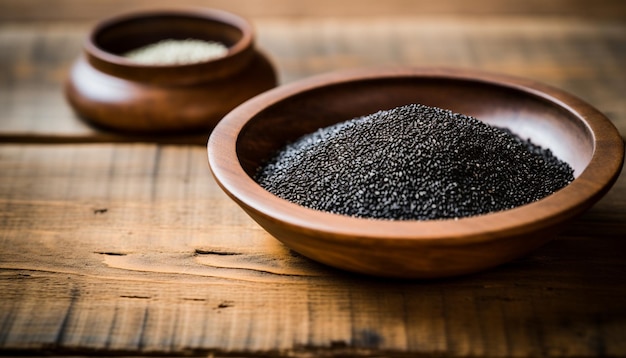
111, 91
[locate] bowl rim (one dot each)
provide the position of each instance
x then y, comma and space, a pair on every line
593, 182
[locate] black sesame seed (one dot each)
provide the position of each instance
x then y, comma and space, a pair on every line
413, 163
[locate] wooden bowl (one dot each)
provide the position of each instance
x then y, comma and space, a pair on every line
114, 92
572, 129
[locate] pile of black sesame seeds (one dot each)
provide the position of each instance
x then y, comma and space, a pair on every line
413, 163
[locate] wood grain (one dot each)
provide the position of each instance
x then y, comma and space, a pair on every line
163, 263
131, 249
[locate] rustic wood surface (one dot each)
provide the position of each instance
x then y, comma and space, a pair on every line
126, 246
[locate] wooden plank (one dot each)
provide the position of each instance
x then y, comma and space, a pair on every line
584, 58
29, 10
133, 249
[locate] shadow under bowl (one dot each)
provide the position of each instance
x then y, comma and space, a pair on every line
572, 129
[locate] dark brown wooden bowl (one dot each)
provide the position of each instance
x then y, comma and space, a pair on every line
571, 128
114, 92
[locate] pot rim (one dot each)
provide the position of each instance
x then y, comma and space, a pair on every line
238, 56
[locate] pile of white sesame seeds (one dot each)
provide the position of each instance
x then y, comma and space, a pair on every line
177, 52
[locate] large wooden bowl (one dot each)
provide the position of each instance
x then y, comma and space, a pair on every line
114, 92
572, 129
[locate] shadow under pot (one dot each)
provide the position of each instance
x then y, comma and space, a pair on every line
113, 91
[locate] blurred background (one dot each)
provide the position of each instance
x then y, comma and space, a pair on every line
29, 10
571, 44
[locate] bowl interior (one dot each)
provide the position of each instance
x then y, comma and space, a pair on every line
526, 114
574, 131
127, 33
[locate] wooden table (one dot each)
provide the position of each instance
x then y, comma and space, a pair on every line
117, 245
